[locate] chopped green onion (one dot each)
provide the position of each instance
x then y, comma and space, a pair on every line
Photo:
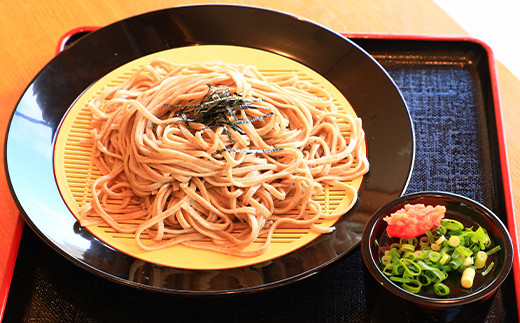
425, 262
388, 269
429, 234
488, 269
386, 259
413, 286
456, 263
452, 225
440, 231
410, 267
440, 240
467, 277
454, 241
424, 241
411, 241
481, 238
440, 289
466, 252
434, 273
444, 259
494, 250
407, 247
480, 259
434, 256
468, 261
395, 245
410, 255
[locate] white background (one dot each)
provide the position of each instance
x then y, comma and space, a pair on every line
495, 22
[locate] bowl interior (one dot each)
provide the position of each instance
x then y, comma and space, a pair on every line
469, 213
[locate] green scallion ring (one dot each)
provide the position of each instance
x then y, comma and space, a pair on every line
424, 241
440, 289
386, 259
452, 225
413, 286
434, 256
407, 247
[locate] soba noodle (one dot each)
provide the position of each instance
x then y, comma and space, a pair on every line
170, 178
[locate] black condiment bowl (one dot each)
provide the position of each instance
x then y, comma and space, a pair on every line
459, 208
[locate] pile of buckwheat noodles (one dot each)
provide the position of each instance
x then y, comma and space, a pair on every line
213, 155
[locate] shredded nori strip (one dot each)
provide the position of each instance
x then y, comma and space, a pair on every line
242, 121
270, 150
218, 109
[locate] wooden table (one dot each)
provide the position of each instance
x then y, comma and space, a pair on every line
32, 28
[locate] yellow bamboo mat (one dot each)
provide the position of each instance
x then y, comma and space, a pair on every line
75, 172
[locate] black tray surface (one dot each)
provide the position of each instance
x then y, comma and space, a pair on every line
447, 86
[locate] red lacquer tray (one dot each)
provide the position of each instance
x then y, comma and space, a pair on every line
415, 63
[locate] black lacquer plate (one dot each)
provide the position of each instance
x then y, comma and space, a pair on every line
365, 84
